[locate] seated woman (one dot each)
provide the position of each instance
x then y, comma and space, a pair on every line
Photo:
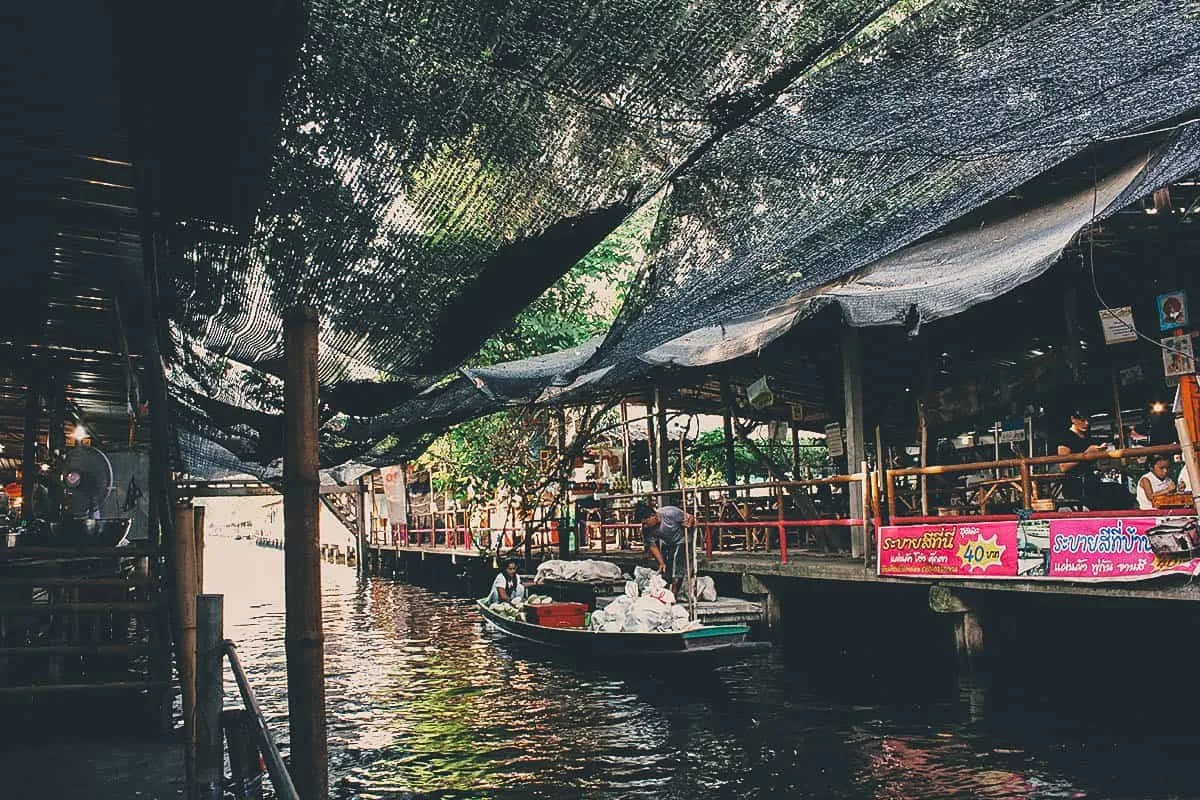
1155, 482
507, 587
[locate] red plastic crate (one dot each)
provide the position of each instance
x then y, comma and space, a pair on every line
557, 615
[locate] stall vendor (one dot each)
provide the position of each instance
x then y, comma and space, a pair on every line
663, 533
1155, 482
507, 587
1080, 479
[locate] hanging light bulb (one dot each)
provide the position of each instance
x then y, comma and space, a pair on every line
80, 433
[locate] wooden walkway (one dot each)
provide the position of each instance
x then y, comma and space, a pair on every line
807, 566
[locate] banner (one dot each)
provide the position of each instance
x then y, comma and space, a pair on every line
1062, 549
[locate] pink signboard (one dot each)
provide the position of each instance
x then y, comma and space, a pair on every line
1064, 549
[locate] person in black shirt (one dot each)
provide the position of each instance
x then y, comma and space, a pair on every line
1081, 478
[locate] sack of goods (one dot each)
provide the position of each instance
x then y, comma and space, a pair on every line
638, 611
589, 570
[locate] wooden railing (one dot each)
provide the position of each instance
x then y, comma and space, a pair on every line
1022, 476
710, 504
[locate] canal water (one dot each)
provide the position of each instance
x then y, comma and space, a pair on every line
860, 698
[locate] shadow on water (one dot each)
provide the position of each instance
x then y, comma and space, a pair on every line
859, 698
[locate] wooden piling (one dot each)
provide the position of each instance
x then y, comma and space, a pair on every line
185, 646
210, 694
198, 534
304, 639
364, 525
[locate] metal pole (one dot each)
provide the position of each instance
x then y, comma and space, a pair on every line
304, 638
281, 779
210, 696
185, 647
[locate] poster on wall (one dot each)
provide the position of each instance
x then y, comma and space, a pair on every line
1172, 311
1090, 549
1177, 356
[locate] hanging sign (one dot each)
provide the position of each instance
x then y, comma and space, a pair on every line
1172, 310
833, 439
1177, 356
1117, 324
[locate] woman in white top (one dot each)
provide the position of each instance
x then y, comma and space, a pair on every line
507, 587
1154, 483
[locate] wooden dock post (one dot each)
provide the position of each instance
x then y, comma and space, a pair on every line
856, 450
304, 638
365, 527
198, 533
185, 647
210, 695
968, 631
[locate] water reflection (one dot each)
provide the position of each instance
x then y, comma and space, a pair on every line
424, 702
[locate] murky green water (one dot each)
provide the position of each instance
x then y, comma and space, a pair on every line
423, 701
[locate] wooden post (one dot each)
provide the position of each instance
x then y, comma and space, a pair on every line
879, 467
1117, 403
651, 444
795, 451
198, 533
625, 462
923, 435
364, 523
855, 444
56, 441
1026, 486
662, 473
185, 646
727, 433
564, 488
210, 694
305, 638
29, 465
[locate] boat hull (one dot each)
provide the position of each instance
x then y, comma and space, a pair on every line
709, 639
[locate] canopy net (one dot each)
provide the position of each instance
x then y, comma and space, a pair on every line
442, 163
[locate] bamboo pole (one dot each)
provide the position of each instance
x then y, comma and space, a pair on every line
305, 639
689, 543
185, 647
210, 695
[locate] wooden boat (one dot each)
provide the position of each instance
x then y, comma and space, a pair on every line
710, 639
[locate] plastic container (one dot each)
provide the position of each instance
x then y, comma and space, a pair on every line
556, 615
